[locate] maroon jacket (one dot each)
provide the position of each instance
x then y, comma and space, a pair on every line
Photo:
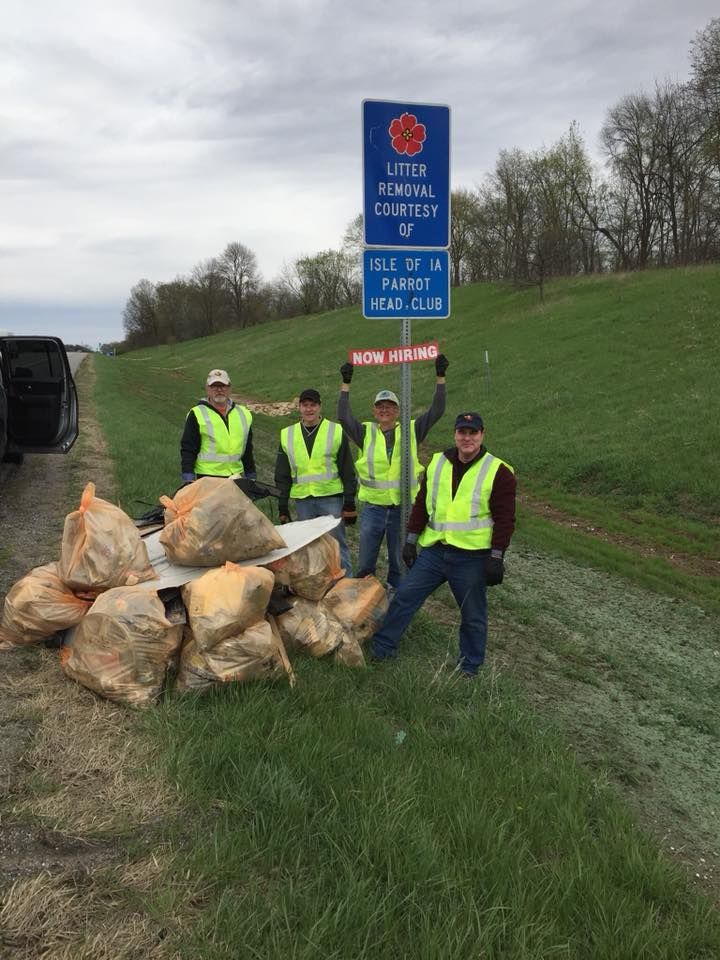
502, 499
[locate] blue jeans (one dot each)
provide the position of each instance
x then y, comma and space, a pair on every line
464, 571
310, 507
378, 523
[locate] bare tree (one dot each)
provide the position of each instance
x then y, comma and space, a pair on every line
140, 315
464, 207
238, 268
705, 68
210, 296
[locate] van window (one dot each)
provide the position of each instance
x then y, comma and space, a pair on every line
34, 359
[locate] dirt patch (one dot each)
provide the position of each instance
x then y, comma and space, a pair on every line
687, 562
281, 408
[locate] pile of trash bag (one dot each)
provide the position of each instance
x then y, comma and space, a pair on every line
128, 639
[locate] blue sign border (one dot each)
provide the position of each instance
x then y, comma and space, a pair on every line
406, 198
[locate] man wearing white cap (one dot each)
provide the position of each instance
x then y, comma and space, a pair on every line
217, 439
378, 466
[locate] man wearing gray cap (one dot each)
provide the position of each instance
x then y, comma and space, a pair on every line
463, 518
217, 439
314, 466
378, 466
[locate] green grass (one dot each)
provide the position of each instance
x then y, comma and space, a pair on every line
405, 812
603, 398
317, 828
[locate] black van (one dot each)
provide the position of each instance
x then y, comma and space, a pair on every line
38, 399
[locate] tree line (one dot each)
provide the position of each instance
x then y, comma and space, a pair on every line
537, 215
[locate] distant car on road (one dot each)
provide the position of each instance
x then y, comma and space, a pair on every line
38, 399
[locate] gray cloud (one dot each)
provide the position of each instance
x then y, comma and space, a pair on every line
139, 138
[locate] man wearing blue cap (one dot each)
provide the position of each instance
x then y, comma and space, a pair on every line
378, 466
463, 518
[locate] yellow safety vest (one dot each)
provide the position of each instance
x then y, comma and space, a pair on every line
464, 521
221, 446
379, 477
316, 474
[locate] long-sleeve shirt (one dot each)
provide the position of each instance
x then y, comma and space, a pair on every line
191, 440
502, 499
344, 461
423, 424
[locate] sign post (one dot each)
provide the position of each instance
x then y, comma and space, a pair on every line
406, 221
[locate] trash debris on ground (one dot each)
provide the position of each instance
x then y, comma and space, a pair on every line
225, 602
101, 548
211, 521
253, 654
123, 646
359, 604
312, 570
39, 605
307, 628
129, 613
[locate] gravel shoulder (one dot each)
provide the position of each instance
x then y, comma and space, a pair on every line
72, 793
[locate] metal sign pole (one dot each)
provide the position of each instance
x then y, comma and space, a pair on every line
405, 412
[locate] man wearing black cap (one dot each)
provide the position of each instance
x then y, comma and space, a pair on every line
463, 518
378, 466
314, 466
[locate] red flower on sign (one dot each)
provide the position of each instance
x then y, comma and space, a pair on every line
407, 134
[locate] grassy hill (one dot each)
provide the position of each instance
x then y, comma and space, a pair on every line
546, 809
603, 397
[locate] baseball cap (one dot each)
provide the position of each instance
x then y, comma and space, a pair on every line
387, 395
309, 394
471, 421
218, 376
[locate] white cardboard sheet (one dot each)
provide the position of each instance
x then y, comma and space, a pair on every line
296, 534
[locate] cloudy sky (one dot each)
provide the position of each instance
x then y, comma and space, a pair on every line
140, 137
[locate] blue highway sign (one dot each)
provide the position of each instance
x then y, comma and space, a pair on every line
406, 174
406, 284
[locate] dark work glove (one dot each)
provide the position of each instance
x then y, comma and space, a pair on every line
349, 513
346, 372
188, 477
441, 364
409, 554
494, 571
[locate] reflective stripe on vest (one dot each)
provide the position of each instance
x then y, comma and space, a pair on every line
316, 474
217, 440
464, 521
380, 478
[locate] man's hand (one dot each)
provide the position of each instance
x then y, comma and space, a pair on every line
494, 571
346, 372
349, 513
441, 365
409, 554
284, 518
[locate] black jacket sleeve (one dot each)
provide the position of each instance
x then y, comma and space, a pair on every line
346, 469
189, 444
283, 481
248, 458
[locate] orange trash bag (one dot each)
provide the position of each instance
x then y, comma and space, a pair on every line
123, 646
309, 628
39, 605
255, 654
211, 521
311, 570
102, 548
223, 603
359, 605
